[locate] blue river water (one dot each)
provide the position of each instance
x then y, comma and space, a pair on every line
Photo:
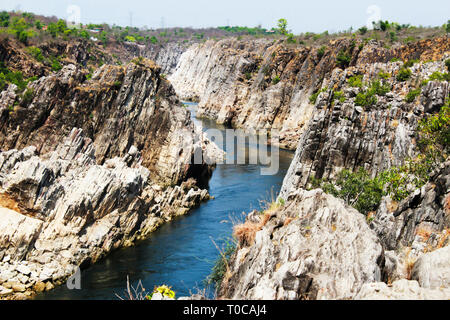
181, 253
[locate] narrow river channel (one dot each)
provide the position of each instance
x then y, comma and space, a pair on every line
181, 253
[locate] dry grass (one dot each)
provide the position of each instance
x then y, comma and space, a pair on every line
447, 204
246, 232
424, 233
132, 293
443, 238
410, 260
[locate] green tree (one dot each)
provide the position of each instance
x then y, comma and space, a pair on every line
52, 28
4, 19
38, 25
61, 25
282, 26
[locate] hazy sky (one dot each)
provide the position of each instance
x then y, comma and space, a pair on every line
312, 15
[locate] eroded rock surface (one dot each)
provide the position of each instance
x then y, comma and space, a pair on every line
315, 247
67, 210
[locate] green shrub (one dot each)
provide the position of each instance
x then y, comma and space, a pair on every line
4, 19
366, 98
447, 64
36, 53
56, 65
404, 74
276, 79
438, 76
220, 266
343, 59
357, 189
434, 134
384, 75
339, 95
321, 52
356, 81
314, 96
412, 95
410, 63
362, 30
290, 38
380, 89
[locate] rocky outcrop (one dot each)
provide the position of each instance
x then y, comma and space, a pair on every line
432, 270
67, 211
401, 290
264, 84
341, 135
314, 247
118, 108
420, 220
89, 166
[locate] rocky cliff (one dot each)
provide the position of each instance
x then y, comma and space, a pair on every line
91, 165
311, 245
266, 84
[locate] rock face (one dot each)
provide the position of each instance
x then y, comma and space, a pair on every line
400, 290
315, 247
68, 211
424, 214
118, 108
341, 135
89, 166
262, 84
432, 270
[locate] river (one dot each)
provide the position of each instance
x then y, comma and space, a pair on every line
181, 253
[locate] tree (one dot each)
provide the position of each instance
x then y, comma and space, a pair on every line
447, 27
61, 25
4, 19
38, 25
282, 26
52, 29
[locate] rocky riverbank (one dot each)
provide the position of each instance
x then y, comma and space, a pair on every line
89, 166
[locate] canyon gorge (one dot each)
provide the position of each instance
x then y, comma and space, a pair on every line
94, 162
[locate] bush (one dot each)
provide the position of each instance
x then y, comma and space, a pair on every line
362, 30
343, 59
276, 79
434, 134
412, 95
356, 189
356, 81
27, 97
437, 76
56, 65
365, 99
321, 52
447, 64
290, 38
314, 96
404, 74
4, 19
220, 267
380, 89
410, 63
384, 75
164, 290
339, 95
36, 53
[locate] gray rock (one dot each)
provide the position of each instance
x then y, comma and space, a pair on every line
327, 251
401, 290
432, 270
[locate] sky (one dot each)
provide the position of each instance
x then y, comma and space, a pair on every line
302, 16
